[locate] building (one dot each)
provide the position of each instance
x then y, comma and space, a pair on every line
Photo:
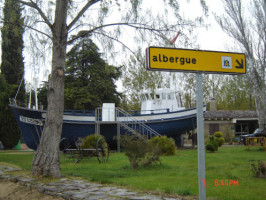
230, 123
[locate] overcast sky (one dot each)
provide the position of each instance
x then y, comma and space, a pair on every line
212, 38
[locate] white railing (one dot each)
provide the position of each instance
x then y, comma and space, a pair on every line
128, 122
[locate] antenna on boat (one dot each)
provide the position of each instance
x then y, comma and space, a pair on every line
35, 80
29, 87
36, 98
29, 105
172, 85
18, 88
173, 82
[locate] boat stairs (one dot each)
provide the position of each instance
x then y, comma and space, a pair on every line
123, 120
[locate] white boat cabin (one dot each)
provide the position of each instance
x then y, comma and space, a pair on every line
161, 101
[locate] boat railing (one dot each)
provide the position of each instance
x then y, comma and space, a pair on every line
14, 102
125, 120
162, 110
79, 112
143, 112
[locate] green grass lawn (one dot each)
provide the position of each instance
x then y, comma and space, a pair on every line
175, 175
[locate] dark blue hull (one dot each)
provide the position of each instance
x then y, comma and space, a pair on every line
31, 123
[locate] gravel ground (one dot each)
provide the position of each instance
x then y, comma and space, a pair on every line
14, 191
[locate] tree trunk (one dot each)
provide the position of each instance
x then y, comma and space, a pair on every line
46, 160
257, 93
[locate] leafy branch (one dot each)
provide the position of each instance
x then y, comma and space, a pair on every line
138, 26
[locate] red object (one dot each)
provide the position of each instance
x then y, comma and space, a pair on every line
174, 39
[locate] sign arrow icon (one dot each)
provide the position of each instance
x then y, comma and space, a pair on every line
240, 65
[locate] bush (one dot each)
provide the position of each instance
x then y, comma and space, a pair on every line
218, 134
140, 151
212, 145
219, 138
165, 145
229, 135
90, 142
152, 155
220, 141
259, 170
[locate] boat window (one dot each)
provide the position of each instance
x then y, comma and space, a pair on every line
171, 96
157, 96
163, 96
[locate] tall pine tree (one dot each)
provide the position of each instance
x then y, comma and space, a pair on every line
12, 70
89, 80
12, 66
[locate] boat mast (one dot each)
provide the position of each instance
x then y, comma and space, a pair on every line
29, 104
36, 99
35, 90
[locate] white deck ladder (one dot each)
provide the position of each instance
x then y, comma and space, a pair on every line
127, 121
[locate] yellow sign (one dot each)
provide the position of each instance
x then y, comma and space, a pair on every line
169, 59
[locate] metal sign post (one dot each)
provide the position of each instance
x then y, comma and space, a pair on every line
200, 138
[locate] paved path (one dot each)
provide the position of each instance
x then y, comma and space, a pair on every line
78, 189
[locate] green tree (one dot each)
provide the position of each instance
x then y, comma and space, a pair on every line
89, 80
188, 84
12, 66
235, 93
247, 26
136, 79
9, 131
12, 69
230, 92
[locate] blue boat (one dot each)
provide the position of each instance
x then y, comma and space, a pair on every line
161, 114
